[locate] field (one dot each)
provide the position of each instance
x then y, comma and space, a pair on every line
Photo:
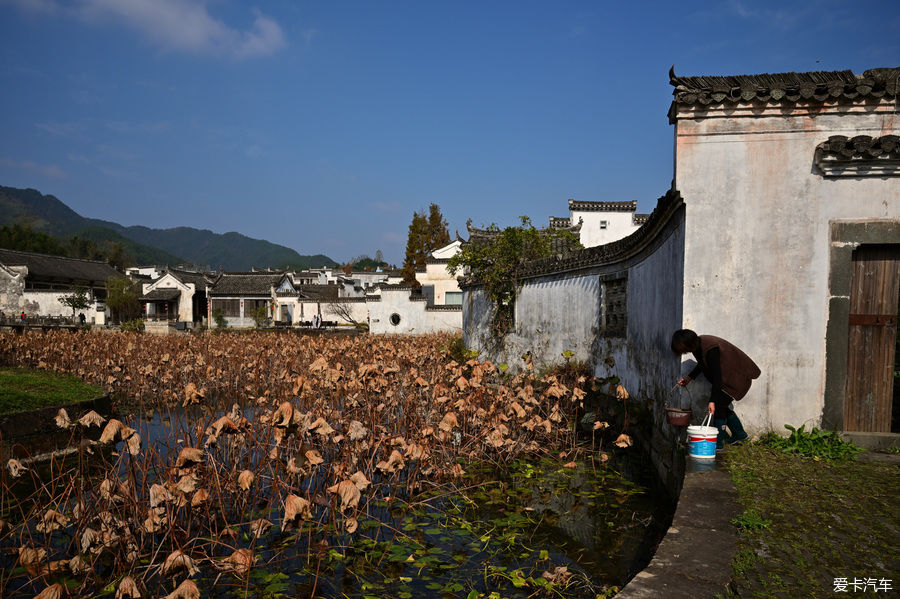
276, 465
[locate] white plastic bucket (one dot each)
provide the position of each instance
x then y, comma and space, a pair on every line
702, 441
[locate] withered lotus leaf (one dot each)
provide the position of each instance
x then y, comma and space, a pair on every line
359, 479
186, 484
351, 524
321, 427
260, 526
357, 431
78, 565
348, 492
239, 562
448, 422
52, 520
519, 410
393, 463
159, 495
54, 591
200, 497
313, 457
283, 415
186, 590
62, 419
177, 560
154, 520
92, 418
89, 538
133, 444
623, 440
15, 468
128, 589
295, 507
223, 425
189, 456
32, 558
114, 431
414, 451
621, 392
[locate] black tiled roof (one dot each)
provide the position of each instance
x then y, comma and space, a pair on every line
319, 292
812, 87
241, 284
603, 206
58, 268
559, 222
861, 146
199, 279
161, 295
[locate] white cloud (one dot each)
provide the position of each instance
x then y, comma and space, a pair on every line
45, 170
176, 25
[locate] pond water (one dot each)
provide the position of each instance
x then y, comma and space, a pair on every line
576, 529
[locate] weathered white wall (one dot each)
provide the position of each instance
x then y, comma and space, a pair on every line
12, 288
553, 315
757, 242
46, 303
619, 225
414, 317
556, 313
358, 311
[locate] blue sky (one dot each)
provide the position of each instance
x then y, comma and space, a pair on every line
322, 126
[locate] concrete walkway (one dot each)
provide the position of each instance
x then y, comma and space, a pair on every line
694, 558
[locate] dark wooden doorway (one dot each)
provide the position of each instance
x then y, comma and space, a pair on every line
874, 298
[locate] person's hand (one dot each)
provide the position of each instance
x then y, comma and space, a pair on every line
712, 407
683, 381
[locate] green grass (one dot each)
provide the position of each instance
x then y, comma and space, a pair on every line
22, 390
808, 521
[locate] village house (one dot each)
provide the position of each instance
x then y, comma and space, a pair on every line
35, 284
781, 233
239, 294
601, 222
178, 296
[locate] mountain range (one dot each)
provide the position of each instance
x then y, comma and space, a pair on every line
229, 251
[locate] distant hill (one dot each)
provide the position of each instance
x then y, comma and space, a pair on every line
230, 251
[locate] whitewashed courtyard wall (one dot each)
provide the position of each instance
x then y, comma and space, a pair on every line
758, 242
568, 310
413, 316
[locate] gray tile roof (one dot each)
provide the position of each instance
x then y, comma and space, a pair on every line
246, 284
57, 268
603, 206
161, 295
812, 87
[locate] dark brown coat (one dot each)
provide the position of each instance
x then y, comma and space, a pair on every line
738, 370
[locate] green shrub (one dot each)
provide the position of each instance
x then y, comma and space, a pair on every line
812, 444
219, 318
134, 326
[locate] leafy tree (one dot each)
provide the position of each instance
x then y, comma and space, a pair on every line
496, 263
122, 297
77, 300
426, 233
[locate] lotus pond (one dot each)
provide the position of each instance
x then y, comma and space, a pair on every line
378, 475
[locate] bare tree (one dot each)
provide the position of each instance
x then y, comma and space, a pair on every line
341, 310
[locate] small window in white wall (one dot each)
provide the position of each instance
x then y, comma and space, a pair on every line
604, 224
395, 319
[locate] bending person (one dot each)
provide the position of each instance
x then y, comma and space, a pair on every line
730, 372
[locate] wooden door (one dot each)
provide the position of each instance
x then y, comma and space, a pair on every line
874, 297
